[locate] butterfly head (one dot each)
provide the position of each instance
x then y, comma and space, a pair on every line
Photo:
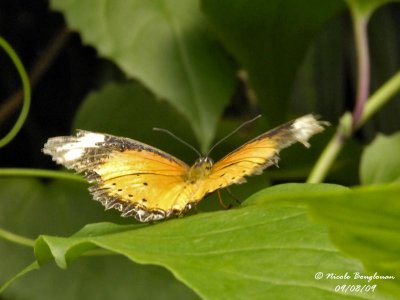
202, 167
204, 162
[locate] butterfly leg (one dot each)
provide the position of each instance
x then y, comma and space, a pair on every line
222, 202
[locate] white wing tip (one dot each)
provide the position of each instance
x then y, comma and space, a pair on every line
305, 127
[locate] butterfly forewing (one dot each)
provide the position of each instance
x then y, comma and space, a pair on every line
133, 177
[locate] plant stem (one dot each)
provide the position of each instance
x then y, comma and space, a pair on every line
372, 106
40, 173
33, 266
27, 93
360, 23
15, 238
345, 130
325, 161
45, 60
380, 98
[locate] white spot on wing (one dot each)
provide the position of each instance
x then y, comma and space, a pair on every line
73, 154
75, 150
305, 127
87, 140
68, 149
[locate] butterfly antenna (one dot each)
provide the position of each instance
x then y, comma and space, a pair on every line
178, 139
232, 133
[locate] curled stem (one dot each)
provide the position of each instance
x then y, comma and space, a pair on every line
47, 57
27, 93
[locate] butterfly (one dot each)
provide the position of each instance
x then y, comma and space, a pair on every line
149, 184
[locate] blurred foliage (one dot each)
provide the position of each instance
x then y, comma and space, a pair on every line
363, 222
200, 68
375, 167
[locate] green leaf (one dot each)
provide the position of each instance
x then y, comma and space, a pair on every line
270, 39
319, 81
364, 222
167, 46
30, 208
290, 189
380, 162
252, 252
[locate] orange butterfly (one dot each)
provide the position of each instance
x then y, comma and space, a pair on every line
149, 184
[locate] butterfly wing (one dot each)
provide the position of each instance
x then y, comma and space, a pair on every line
128, 175
259, 153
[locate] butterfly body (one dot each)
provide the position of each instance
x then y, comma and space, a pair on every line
200, 169
149, 184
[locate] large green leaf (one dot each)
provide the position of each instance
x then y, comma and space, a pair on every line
364, 222
167, 46
320, 85
253, 252
270, 39
30, 208
380, 162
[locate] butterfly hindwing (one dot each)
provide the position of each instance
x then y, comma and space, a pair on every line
128, 175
